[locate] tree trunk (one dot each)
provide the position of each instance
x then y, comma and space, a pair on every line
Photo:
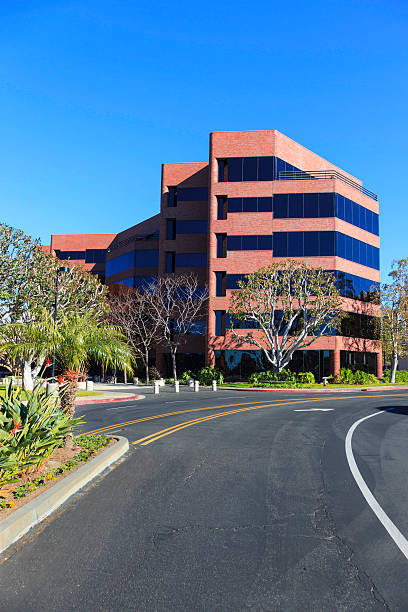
125, 376
173, 359
28, 383
394, 365
147, 366
68, 403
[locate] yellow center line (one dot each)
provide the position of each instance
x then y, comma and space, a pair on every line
170, 430
162, 416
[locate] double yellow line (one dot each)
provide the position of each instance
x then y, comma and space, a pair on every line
170, 430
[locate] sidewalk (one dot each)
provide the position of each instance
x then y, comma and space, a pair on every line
112, 393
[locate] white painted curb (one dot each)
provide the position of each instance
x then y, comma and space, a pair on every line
29, 515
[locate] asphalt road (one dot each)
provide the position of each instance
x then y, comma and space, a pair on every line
253, 510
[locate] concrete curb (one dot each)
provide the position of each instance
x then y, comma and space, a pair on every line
29, 515
105, 400
328, 390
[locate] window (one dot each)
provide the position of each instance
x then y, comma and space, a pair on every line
142, 282
221, 245
95, 255
222, 170
120, 263
70, 254
195, 226
232, 280
249, 243
148, 258
192, 194
171, 229
191, 260
172, 197
220, 322
220, 284
249, 205
355, 287
170, 262
221, 208
265, 168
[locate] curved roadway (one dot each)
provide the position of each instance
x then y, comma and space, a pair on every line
256, 509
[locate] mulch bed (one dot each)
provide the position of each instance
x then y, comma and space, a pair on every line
57, 460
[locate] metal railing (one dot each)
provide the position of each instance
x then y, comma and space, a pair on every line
310, 175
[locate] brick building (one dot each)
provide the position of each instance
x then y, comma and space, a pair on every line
261, 198
87, 250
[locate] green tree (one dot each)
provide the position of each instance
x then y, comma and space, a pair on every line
394, 315
27, 285
74, 340
289, 304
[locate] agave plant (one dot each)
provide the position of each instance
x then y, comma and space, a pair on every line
30, 431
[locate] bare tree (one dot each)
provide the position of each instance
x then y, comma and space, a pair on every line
394, 315
289, 305
133, 313
178, 303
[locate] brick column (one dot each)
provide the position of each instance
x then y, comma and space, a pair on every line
335, 362
379, 365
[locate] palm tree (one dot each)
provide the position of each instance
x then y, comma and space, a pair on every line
74, 340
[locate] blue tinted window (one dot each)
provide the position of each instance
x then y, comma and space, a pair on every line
234, 205
221, 208
249, 204
348, 208
70, 254
95, 255
250, 169
341, 245
280, 166
121, 263
265, 243
375, 224
197, 328
192, 194
280, 206
148, 258
221, 247
310, 243
170, 262
326, 205
234, 243
265, 169
295, 244
280, 244
327, 246
232, 280
235, 169
191, 260
295, 205
311, 205
220, 278
142, 282
265, 204
219, 322
249, 243
171, 229
192, 227
172, 197
221, 170
340, 213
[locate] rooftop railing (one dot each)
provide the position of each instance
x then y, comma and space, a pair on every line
310, 175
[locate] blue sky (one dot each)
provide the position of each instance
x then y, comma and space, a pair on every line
95, 95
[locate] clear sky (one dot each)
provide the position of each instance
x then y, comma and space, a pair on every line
95, 95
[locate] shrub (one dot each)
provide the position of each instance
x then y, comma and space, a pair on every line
30, 431
401, 376
306, 378
185, 377
154, 373
364, 378
207, 374
269, 378
347, 376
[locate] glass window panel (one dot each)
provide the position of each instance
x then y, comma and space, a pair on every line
311, 244
120, 264
326, 205
193, 226
280, 206
310, 205
265, 169
348, 209
250, 169
356, 214
340, 206
363, 217
296, 205
341, 245
363, 253
295, 244
249, 204
172, 197
234, 205
356, 250
235, 169
220, 208
171, 229
234, 243
219, 284
187, 260
170, 262
265, 243
221, 166
280, 244
327, 246
192, 194
148, 258
249, 243
265, 204
280, 166
375, 219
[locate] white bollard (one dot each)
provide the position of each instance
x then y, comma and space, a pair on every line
89, 385
196, 386
176, 386
156, 387
214, 385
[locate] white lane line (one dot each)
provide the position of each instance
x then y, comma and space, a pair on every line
313, 409
387, 523
177, 402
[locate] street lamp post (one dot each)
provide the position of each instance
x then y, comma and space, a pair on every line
62, 269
